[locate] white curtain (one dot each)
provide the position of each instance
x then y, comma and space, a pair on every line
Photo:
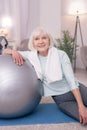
24, 15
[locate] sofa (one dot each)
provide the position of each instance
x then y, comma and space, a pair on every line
83, 51
23, 45
3, 43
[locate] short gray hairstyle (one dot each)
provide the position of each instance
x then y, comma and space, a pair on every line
36, 32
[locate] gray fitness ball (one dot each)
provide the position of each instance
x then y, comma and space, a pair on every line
20, 90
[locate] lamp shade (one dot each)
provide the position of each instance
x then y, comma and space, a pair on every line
71, 7
6, 22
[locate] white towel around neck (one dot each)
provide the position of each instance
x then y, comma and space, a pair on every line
53, 70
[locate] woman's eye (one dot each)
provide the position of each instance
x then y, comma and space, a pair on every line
36, 38
44, 38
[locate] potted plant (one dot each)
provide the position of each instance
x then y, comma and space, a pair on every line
66, 43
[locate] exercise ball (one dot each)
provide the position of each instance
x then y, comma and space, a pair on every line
20, 89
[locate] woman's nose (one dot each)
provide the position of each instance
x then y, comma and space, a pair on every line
40, 41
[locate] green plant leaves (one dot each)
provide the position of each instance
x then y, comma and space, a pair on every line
66, 43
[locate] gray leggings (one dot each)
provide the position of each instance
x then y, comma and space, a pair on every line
67, 103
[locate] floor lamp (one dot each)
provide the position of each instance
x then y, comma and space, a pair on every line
77, 26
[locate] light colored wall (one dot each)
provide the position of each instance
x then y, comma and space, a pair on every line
34, 15
28, 14
50, 16
68, 23
46, 13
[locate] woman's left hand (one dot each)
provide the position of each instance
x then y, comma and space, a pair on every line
83, 115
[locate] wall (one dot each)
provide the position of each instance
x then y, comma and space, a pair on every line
68, 23
50, 16
46, 13
34, 15
28, 14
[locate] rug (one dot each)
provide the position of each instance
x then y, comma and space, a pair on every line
44, 114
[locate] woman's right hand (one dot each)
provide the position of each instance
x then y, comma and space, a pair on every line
17, 57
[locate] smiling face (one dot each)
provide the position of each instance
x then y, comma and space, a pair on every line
40, 40
41, 43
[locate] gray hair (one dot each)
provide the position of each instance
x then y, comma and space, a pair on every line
36, 32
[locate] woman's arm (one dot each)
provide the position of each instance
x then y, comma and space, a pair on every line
69, 75
17, 57
81, 108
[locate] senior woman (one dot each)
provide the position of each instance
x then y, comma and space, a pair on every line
54, 69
